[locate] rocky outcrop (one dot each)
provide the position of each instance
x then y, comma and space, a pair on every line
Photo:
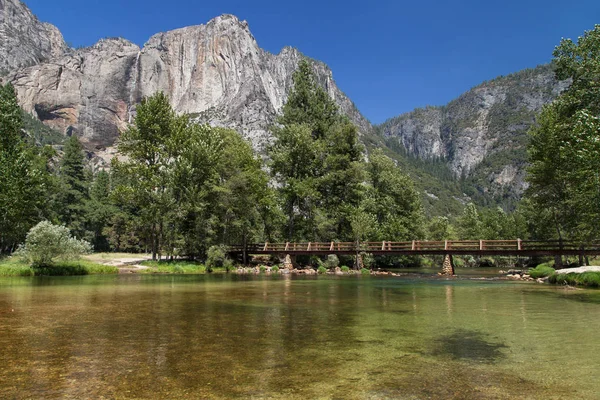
86, 92
216, 72
483, 132
25, 41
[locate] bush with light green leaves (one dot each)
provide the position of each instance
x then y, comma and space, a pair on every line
46, 243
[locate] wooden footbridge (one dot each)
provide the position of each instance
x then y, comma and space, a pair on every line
517, 247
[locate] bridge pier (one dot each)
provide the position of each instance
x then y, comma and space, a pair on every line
358, 263
289, 262
448, 266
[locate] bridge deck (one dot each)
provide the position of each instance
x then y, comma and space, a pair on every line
418, 247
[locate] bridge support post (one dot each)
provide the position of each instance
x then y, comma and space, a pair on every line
359, 264
289, 262
448, 266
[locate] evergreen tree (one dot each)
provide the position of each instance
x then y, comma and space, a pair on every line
99, 211
23, 178
74, 188
470, 226
440, 228
317, 160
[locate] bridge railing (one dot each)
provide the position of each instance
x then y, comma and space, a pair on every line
418, 246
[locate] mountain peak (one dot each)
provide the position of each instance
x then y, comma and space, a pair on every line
24, 40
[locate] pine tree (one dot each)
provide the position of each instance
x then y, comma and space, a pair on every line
74, 188
99, 210
317, 160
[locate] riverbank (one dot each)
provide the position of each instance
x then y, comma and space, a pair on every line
15, 267
581, 276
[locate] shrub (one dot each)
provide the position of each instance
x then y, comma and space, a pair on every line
262, 269
365, 271
368, 259
541, 271
332, 261
216, 257
321, 270
46, 242
345, 268
275, 269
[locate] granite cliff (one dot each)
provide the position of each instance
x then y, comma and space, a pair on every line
215, 72
481, 135
218, 74
24, 40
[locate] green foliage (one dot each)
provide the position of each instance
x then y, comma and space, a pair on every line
564, 151
46, 242
187, 187
391, 201
74, 194
23, 176
541, 271
589, 279
216, 257
507, 122
439, 228
321, 270
71, 268
14, 266
275, 269
332, 261
365, 271
345, 269
469, 224
317, 160
489, 224
99, 210
39, 133
262, 269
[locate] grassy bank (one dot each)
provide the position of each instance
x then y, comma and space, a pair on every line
176, 267
541, 271
587, 279
15, 267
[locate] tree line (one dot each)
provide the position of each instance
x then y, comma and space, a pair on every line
179, 188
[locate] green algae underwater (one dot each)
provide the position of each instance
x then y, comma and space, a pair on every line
326, 337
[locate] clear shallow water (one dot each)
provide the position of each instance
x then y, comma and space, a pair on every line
130, 337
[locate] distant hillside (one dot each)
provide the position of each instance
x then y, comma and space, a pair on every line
481, 135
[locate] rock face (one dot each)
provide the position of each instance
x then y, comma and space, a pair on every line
215, 72
24, 40
86, 92
483, 132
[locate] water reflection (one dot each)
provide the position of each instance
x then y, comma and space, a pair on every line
345, 337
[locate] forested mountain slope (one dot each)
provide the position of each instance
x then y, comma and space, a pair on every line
482, 135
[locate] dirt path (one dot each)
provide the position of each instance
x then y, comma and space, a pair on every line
127, 264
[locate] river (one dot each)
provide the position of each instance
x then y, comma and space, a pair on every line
223, 336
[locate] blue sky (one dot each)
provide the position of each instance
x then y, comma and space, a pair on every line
388, 56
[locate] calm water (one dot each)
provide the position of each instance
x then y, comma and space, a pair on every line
131, 337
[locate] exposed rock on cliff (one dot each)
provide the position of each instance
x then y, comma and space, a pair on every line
481, 134
215, 72
24, 40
